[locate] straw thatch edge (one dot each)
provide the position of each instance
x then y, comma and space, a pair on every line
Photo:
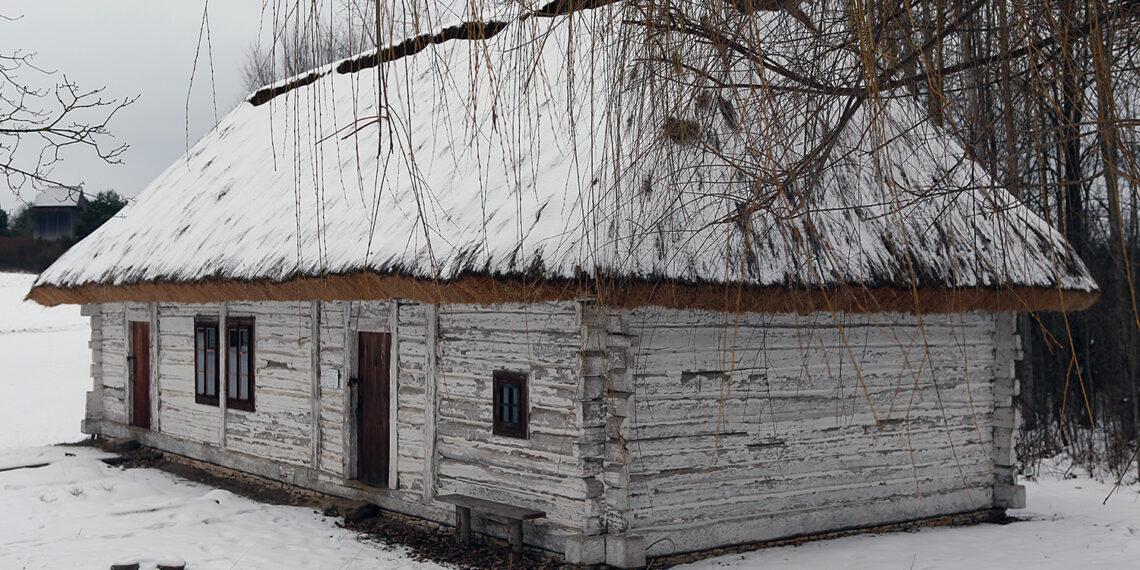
487, 290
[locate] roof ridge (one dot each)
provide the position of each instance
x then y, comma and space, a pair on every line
469, 30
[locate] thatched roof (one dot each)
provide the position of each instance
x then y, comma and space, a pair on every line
515, 168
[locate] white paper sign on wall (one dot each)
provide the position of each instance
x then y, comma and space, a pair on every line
330, 378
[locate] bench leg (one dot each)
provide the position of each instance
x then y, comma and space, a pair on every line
463, 525
516, 541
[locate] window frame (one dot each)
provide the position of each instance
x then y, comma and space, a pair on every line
201, 322
499, 427
238, 324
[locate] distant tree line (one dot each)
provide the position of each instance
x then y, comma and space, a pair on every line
20, 251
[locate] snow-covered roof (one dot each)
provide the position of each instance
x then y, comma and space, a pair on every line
522, 158
57, 197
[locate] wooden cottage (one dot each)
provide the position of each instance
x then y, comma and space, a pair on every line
472, 263
55, 213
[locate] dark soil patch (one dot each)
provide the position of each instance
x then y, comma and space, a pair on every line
1004, 519
436, 543
131, 455
128, 453
238, 483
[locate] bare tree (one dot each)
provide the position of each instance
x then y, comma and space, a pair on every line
38, 124
307, 35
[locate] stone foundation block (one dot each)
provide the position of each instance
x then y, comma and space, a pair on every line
1009, 496
626, 551
586, 550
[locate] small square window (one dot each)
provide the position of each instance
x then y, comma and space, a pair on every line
510, 404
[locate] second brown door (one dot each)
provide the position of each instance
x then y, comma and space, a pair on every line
372, 412
140, 374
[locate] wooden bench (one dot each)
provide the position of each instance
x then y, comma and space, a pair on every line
516, 515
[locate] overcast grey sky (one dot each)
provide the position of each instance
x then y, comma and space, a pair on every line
136, 47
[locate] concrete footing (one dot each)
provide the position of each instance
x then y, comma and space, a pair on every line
1009, 496
627, 551
618, 551
586, 550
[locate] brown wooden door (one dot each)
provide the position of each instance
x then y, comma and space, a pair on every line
372, 414
140, 374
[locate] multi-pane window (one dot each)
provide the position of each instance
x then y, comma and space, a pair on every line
206, 361
510, 404
239, 364
234, 352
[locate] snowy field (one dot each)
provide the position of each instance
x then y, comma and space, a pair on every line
44, 368
1066, 527
76, 512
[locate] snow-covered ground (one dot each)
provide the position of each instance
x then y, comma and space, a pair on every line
77, 512
1066, 526
44, 368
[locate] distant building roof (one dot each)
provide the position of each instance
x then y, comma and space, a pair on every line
57, 197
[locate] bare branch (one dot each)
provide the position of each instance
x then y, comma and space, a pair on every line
37, 125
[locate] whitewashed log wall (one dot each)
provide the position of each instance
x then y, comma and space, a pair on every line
410, 349
179, 414
703, 428
280, 428
542, 472
94, 410
461, 345
762, 425
109, 361
110, 397
335, 401
281, 425
1007, 415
